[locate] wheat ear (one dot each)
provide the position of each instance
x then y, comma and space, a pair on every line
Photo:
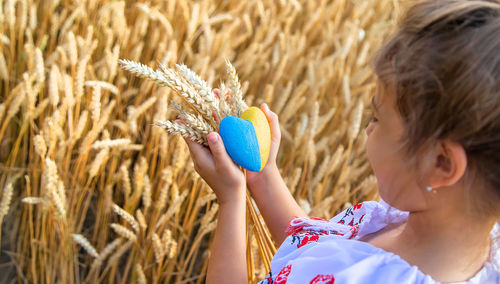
184, 130
127, 216
81, 240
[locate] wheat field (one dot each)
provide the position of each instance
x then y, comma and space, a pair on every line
93, 192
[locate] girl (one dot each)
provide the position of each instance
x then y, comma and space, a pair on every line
434, 146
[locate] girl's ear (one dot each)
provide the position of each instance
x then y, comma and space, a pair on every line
448, 165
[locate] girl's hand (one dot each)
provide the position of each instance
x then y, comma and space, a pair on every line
270, 168
216, 167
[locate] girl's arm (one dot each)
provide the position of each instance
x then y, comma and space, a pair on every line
275, 202
227, 263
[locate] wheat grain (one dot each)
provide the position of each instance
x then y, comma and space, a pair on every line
141, 219
71, 48
108, 249
39, 109
7, 193
356, 121
15, 104
95, 105
172, 248
68, 99
174, 208
146, 193
53, 86
127, 216
295, 180
142, 108
32, 200
80, 76
144, 71
2, 111
157, 248
4, 71
141, 278
103, 85
320, 172
98, 161
40, 147
207, 218
140, 170
108, 143
203, 88
119, 252
184, 130
61, 192
80, 126
51, 180
167, 179
346, 90
123, 232
188, 92
58, 203
194, 121
82, 241
125, 178
207, 198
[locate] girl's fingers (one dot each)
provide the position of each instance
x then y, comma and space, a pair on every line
221, 157
216, 92
201, 155
274, 124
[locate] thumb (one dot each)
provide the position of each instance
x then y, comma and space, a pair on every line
221, 157
274, 124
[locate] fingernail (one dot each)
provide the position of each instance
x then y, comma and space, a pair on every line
212, 137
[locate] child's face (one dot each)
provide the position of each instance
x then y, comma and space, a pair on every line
397, 182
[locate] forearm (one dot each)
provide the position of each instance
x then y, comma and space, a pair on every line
275, 202
227, 262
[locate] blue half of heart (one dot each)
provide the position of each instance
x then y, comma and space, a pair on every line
241, 142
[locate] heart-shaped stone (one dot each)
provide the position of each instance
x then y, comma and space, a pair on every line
247, 139
241, 142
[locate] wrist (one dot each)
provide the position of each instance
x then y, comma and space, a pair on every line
263, 178
233, 203
237, 197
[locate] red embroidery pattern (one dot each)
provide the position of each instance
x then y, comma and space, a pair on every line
354, 231
323, 279
296, 226
308, 239
357, 206
283, 275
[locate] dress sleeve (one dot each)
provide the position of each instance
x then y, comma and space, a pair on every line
352, 223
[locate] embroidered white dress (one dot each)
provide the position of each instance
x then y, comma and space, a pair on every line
320, 251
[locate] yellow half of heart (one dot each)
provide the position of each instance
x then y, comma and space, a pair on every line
262, 130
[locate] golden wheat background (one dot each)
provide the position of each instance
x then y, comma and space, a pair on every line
93, 192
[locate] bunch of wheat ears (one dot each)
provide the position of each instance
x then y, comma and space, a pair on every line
208, 110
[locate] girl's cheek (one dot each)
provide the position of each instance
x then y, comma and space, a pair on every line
369, 129
369, 149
